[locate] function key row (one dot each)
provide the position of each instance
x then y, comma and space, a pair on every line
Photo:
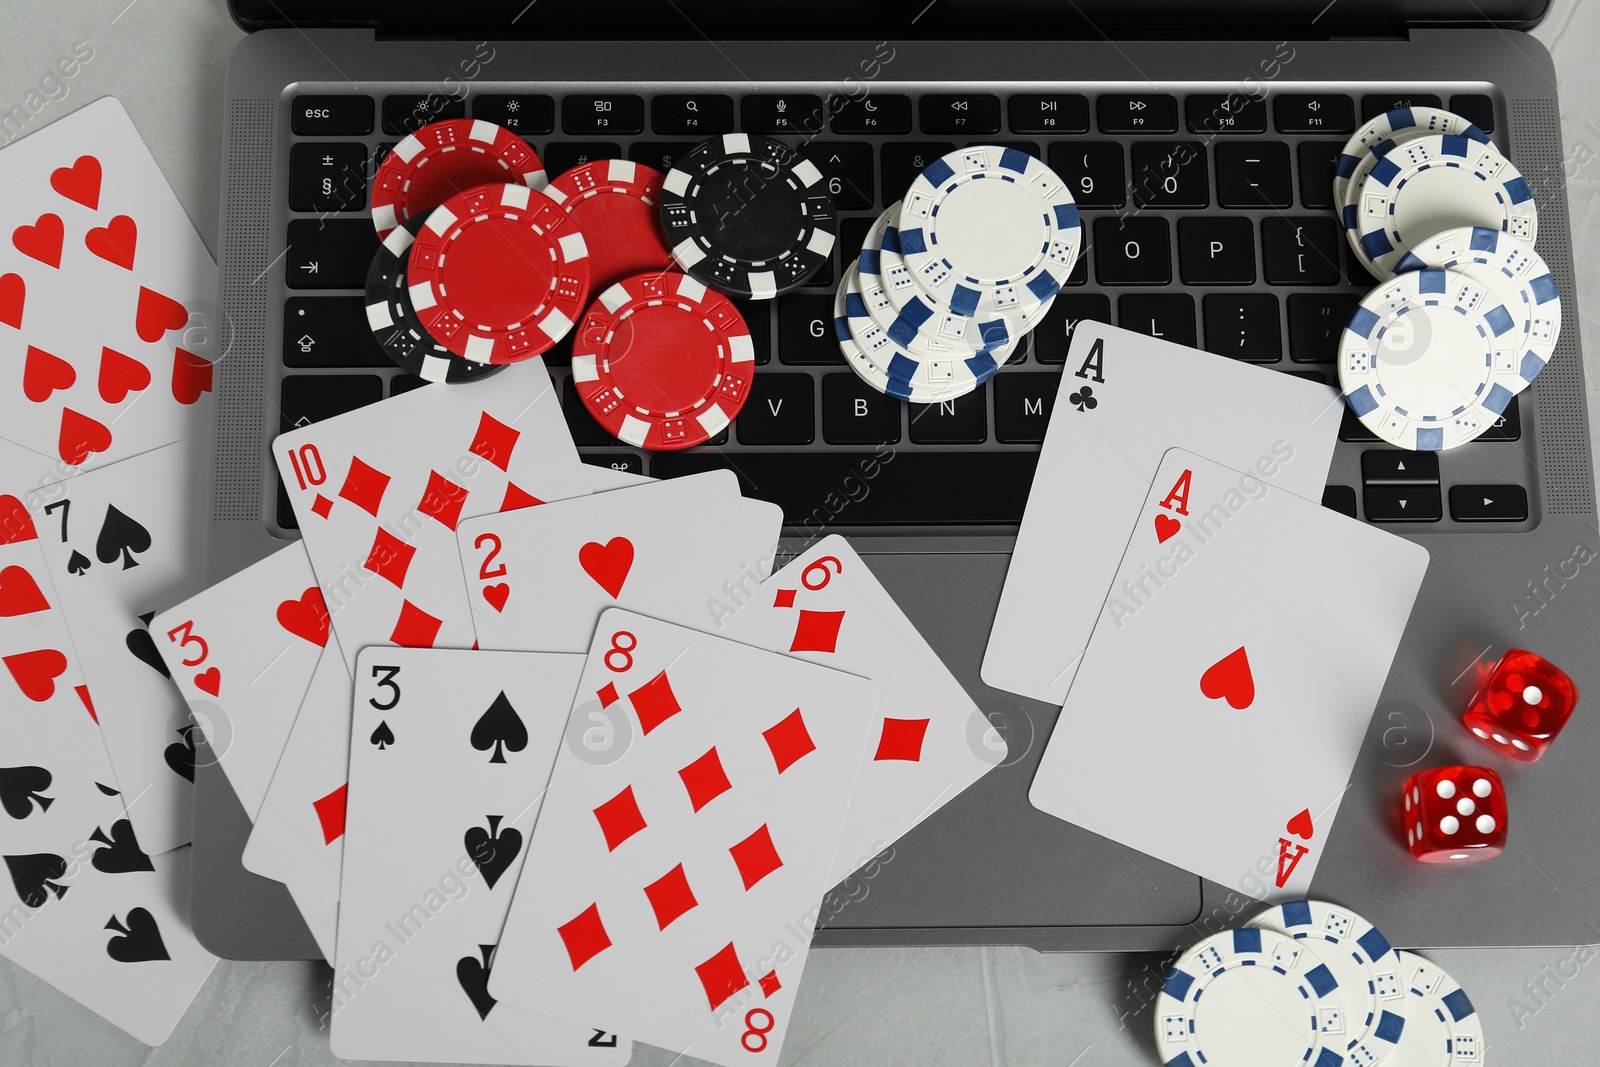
889, 114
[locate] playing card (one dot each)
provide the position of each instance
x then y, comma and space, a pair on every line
380, 491
929, 740
242, 654
108, 315
672, 881
441, 805
678, 550
1124, 400
123, 542
1226, 691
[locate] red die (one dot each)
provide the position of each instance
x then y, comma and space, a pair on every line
1454, 814
1523, 704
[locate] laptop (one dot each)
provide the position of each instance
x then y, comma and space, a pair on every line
872, 92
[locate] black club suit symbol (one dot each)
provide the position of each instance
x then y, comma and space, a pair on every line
1083, 399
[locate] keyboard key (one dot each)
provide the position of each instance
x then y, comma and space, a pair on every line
1137, 113
1315, 322
780, 410
585, 431
404, 383
1170, 174
699, 115
1318, 159
1048, 113
962, 421
1380, 466
1403, 503
1312, 376
331, 116
1092, 171
658, 154
1243, 326
561, 156
786, 113
960, 113
1488, 503
1359, 275
597, 115
379, 153
1136, 250
852, 235
1508, 427
1216, 250
1351, 428
758, 317
628, 462
1314, 113
881, 113
1476, 109
1022, 405
329, 253
1225, 113
306, 398
903, 161
846, 168
1254, 174
1340, 498
1375, 104
409, 113
327, 176
1053, 337
1301, 251
329, 331
822, 490
805, 330
1169, 316
525, 115
854, 413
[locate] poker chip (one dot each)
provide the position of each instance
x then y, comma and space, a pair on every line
987, 229
617, 205
1513, 270
1248, 996
445, 158
744, 214
1365, 967
1434, 183
1429, 360
1443, 1029
662, 362
394, 321
1381, 134
499, 273
890, 369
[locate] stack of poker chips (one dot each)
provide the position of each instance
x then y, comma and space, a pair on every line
1467, 314
951, 278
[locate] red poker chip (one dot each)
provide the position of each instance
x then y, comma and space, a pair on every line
662, 362
445, 158
499, 273
617, 202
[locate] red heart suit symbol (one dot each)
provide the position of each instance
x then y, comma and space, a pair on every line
209, 681
1229, 679
13, 294
306, 617
79, 182
36, 672
120, 375
15, 522
497, 595
42, 240
156, 314
114, 242
191, 377
19, 593
607, 564
43, 374
80, 436
1300, 825
1166, 526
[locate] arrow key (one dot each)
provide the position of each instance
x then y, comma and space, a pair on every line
1488, 503
1405, 467
1403, 503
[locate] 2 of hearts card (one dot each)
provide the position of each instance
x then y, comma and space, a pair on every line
665, 875
108, 315
450, 756
1230, 679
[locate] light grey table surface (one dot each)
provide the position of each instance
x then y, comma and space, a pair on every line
165, 59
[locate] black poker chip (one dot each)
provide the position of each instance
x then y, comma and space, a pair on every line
394, 321
747, 215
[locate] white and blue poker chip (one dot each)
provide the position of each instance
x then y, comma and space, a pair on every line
1365, 965
1443, 1029
893, 371
1511, 268
1434, 183
1430, 359
987, 229
1250, 995
1385, 131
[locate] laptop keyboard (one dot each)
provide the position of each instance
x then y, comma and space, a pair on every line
1207, 225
